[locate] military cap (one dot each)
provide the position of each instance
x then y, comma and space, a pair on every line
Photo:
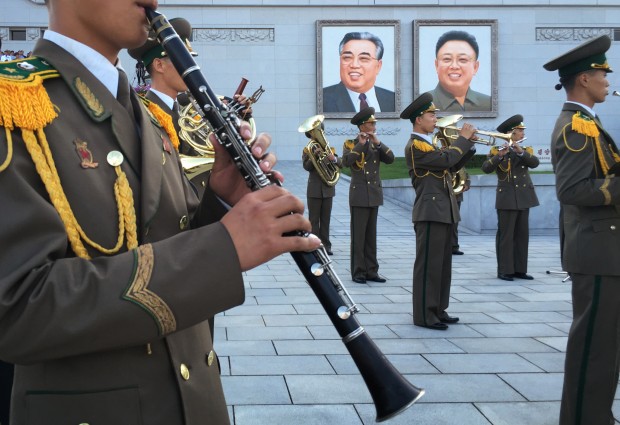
364, 116
151, 50
586, 56
423, 103
515, 121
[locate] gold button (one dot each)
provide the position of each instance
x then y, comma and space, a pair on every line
433, 198
203, 183
210, 358
523, 185
516, 185
183, 222
184, 372
612, 227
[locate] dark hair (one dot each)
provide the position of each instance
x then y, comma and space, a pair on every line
569, 81
457, 35
362, 36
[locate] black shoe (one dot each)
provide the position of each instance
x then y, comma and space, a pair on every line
523, 276
503, 276
449, 319
359, 280
457, 252
329, 252
436, 326
377, 279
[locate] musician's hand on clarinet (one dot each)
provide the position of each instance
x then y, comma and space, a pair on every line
504, 150
517, 148
258, 222
226, 181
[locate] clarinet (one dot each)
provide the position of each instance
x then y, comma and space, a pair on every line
390, 391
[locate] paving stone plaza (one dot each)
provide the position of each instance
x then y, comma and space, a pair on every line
502, 364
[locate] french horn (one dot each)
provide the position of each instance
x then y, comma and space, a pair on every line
318, 150
195, 130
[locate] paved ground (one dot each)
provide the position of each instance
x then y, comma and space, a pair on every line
283, 362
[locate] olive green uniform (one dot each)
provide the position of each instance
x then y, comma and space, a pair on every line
435, 211
119, 338
365, 197
515, 195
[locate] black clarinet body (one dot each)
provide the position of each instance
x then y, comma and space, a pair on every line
390, 391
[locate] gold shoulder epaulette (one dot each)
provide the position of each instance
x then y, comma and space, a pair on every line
25, 102
585, 125
529, 150
349, 144
162, 119
494, 151
422, 146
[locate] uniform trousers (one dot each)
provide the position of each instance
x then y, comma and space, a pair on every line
511, 241
455, 232
432, 271
6, 383
319, 213
591, 367
364, 264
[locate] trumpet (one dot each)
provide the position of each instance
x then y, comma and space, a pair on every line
448, 132
512, 144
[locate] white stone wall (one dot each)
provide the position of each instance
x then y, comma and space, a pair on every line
273, 44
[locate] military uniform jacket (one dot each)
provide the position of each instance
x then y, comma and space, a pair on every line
365, 189
316, 187
119, 339
589, 197
431, 170
515, 190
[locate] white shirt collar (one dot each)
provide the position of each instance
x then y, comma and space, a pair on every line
371, 99
587, 108
94, 61
164, 97
426, 137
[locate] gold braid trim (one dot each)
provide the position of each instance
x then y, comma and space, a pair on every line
457, 149
138, 291
166, 122
605, 189
362, 161
424, 147
41, 154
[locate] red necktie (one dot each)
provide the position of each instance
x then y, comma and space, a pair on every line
363, 103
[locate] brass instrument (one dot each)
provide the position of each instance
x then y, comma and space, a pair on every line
318, 150
450, 132
195, 130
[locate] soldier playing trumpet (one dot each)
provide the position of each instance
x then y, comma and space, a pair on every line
514, 197
435, 210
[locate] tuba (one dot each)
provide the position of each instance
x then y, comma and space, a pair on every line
318, 149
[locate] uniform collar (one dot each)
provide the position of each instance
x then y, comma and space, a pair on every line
92, 60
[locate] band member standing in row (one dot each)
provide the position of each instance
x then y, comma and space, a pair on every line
114, 266
514, 197
435, 211
364, 156
320, 197
585, 160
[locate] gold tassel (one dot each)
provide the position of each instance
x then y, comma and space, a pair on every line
584, 125
25, 104
166, 122
423, 146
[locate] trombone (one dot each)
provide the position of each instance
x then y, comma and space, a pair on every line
448, 132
